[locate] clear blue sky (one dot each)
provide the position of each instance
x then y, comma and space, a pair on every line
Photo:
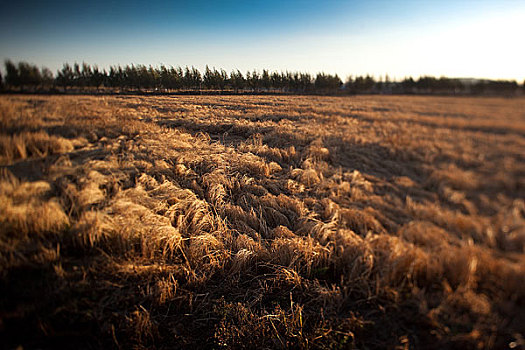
482, 39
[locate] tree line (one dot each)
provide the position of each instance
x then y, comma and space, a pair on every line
26, 77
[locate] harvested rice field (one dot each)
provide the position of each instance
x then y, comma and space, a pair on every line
268, 222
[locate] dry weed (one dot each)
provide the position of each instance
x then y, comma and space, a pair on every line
262, 221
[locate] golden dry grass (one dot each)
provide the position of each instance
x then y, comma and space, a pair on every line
262, 222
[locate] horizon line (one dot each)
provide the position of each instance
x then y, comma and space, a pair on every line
378, 77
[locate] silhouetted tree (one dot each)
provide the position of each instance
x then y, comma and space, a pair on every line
360, 84
192, 78
208, 78
276, 80
65, 76
408, 85
253, 80
29, 75
327, 83
47, 77
77, 75
97, 77
140, 77
222, 79
131, 77
154, 78
165, 77
12, 76
306, 82
237, 81
84, 78
266, 82
176, 78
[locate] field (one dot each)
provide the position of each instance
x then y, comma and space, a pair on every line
262, 222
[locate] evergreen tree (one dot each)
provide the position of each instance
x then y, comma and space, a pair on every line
305, 82
266, 81
86, 75
97, 77
47, 77
29, 74
253, 80
408, 85
154, 78
222, 79
195, 78
237, 81
326, 82
187, 79
360, 84
12, 76
164, 75
208, 78
117, 77
176, 78
65, 76
277, 81
77, 75
131, 77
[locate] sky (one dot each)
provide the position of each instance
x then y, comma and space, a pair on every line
477, 39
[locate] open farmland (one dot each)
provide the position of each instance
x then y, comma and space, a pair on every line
262, 222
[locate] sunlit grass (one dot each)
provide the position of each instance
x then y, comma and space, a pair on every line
267, 222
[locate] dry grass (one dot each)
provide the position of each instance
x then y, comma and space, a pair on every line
262, 222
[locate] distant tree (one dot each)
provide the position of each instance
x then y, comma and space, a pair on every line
426, 83
192, 78
296, 82
164, 77
305, 82
277, 81
504, 87
23, 75
86, 75
131, 77
222, 79
65, 76
187, 78
121, 78
408, 85
97, 77
360, 84
327, 82
237, 81
196, 78
115, 77
176, 78
253, 80
77, 75
154, 78
266, 81
29, 75
12, 75
144, 78
47, 77
288, 81
208, 78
